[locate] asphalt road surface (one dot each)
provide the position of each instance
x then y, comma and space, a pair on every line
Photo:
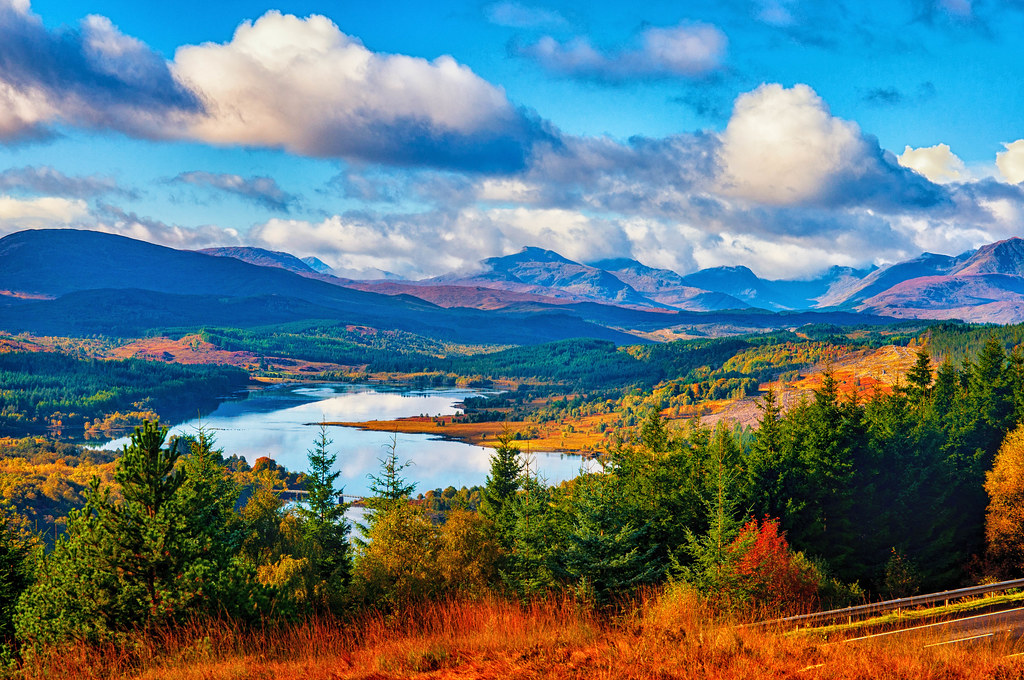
1005, 626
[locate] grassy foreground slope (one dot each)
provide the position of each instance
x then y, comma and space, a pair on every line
669, 635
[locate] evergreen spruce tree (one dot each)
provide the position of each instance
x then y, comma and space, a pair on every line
502, 485
324, 526
1017, 381
766, 466
143, 534
530, 569
991, 398
212, 535
653, 434
919, 378
834, 446
605, 556
165, 549
712, 556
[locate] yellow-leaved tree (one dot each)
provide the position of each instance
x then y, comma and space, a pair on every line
1004, 519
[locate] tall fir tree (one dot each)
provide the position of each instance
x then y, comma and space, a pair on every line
164, 550
919, 378
712, 556
324, 527
530, 569
605, 556
501, 487
17, 549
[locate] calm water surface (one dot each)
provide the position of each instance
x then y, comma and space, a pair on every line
279, 421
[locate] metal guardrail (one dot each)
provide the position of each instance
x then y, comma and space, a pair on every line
902, 603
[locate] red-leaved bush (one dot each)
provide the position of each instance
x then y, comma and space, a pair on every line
772, 574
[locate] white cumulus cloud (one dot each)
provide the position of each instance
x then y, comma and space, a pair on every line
783, 146
938, 163
305, 86
1011, 162
282, 82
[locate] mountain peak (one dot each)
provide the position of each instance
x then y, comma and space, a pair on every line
1001, 257
530, 254
261, 257
317, 265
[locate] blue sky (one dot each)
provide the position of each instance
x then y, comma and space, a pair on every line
418, 138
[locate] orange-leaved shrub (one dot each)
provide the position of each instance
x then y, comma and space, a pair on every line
771, 575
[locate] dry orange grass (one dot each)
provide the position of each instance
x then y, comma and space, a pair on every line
668, 636
863, 372
571, 435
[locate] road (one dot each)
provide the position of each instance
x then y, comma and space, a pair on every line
1003, 626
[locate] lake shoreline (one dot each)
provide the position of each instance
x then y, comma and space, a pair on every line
478, 434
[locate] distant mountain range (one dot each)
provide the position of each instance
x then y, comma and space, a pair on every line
986, 285
73, 282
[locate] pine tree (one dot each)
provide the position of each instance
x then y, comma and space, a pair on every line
501, 487
992, 400
604, 555
919, 377
765, 464
713, 555
835, 444
325, 528
530, 569
143, 532
216, 577
166, 549
653, 434
17, 548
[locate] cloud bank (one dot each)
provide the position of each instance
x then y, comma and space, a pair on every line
92, 76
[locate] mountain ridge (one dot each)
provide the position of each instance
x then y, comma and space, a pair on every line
986, 284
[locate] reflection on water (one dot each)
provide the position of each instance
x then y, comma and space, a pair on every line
279, 422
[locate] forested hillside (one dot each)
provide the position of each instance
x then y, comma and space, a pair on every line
43, 392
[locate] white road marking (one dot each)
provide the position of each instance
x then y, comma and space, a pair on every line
949, 642
933, 625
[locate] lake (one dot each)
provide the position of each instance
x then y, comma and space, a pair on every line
279, 421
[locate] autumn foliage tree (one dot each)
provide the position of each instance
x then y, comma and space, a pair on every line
1004, 519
